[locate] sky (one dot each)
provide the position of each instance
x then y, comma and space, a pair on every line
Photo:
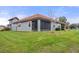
70, 12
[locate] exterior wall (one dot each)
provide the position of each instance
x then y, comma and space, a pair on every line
52, 26
9, 26
13, 27
12, 21
25, 26
55, 25
58, 26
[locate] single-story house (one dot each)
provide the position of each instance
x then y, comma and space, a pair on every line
2, 27
36, 22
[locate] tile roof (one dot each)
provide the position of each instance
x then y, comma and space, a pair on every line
36, 17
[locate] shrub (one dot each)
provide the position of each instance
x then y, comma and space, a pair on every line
6, 29
57, 29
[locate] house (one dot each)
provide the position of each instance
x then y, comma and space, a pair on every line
2, 27
35, 22
11, 21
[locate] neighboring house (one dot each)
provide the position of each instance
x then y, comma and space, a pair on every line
35, 22
2, 27
11, 21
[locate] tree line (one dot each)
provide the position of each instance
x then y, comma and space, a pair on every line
67, 24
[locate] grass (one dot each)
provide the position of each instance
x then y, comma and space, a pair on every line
55, 41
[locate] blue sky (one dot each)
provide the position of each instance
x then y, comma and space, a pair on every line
6, 12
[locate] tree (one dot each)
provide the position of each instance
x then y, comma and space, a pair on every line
73, 26
77, 25
64, 20
67, 25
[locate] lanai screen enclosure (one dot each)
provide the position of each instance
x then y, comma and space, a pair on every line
44, 25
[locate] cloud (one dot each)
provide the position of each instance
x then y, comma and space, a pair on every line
3, 21
4, 16
61, 11
73, 20
4, 13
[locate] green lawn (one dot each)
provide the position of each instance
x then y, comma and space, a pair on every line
55, 41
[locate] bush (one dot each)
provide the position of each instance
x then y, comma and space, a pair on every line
6, 29
57, 29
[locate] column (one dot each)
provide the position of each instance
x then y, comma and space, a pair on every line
52, 28
38, 24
